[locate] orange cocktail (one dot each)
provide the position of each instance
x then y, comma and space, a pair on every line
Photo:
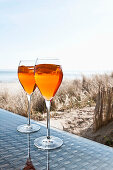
48, 78
26, 78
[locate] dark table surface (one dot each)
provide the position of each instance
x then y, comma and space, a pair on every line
76, 153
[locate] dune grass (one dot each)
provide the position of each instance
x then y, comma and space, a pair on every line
72, 94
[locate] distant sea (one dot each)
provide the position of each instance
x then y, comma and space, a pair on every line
8, 76
12, 76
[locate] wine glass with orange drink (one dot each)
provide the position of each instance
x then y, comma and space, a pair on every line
27, 80
48, 77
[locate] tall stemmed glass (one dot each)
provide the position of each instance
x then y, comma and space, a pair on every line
48, 77
27, 80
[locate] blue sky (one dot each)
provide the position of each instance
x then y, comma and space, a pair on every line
79, 32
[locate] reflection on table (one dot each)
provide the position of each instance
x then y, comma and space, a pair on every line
29, 164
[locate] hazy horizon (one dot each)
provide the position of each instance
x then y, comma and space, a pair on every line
66, 71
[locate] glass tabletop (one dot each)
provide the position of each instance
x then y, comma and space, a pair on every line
17, 150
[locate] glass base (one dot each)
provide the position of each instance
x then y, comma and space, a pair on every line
28, 129
44, 143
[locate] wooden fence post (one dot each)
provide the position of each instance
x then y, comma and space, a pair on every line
103, 113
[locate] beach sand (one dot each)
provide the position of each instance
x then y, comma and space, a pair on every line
80, 122
10, 87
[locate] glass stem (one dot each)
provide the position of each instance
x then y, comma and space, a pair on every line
29, 103
48, 104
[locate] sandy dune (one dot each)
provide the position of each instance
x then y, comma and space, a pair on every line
80, 122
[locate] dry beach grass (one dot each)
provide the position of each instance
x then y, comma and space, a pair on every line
72, 108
